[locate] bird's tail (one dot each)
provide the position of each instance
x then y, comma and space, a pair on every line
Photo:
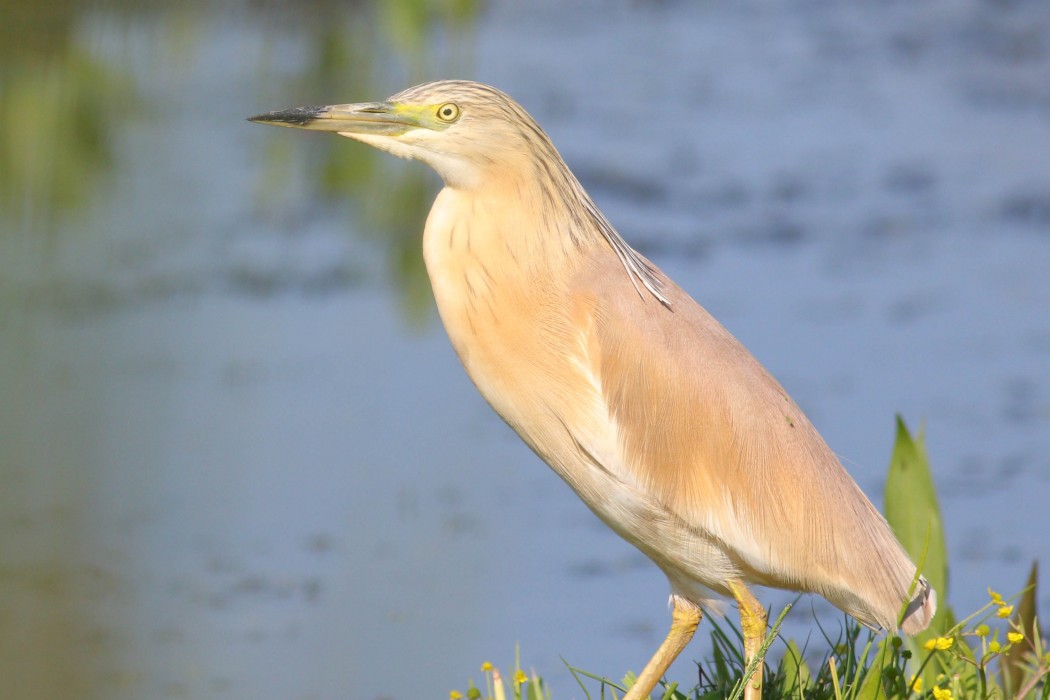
921, 609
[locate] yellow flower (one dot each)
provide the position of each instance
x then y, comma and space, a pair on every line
939, 643
981, 630
455, 695
520, 677
486, 666
942, 694
996, 598
1005, 611
1014, 637
994, 647
916, 683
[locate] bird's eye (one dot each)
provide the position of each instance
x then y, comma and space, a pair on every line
448, 112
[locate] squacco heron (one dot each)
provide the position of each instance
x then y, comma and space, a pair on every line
659, 419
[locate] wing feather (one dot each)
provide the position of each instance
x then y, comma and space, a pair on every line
708, 434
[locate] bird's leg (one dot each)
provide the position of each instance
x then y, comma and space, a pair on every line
684, 618
753, 625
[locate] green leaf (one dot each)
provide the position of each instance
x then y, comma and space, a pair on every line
871, 686
629, 679
1013, 665
794, 670
913, 513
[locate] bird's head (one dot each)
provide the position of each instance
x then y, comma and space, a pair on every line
463, 130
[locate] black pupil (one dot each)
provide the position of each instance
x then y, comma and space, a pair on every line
446, 112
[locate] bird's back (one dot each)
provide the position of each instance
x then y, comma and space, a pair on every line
713, 437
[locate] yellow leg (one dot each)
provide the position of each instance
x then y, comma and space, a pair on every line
753, 625
684, 619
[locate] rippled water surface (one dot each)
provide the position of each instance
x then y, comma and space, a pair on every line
239, 458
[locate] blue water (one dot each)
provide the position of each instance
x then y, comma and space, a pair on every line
241, 461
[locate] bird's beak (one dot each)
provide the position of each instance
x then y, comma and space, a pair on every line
368, 118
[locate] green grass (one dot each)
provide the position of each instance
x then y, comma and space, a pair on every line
995, 653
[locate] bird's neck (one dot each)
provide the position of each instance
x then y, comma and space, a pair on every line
503, 279
511, 229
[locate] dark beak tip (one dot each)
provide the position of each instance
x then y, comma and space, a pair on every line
298, 116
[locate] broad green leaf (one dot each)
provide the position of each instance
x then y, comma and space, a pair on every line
795, 671
913, 513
